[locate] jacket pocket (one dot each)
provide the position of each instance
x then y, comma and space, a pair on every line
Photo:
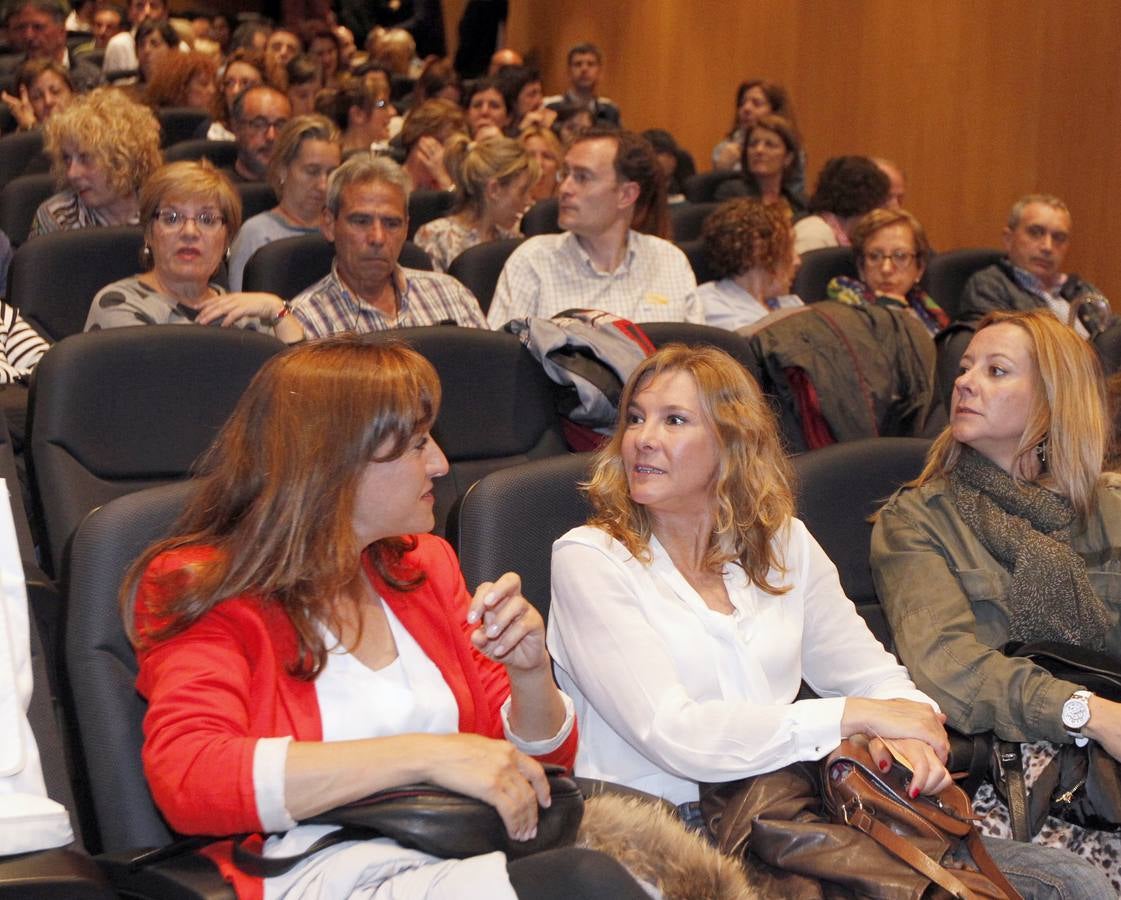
984, 585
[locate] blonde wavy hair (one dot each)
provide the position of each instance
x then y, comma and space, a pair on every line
122, 137
1068, 410
752, 497
474, 164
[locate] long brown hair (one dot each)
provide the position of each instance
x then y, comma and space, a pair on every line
752, 497
275, 493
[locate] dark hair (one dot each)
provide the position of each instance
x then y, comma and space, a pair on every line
274, 495
635, 160
512, 80
56, 9
303, 69
164, 27
850, 186
776, 96
785, 129
486, 83
436, 75
245, 33
586, 48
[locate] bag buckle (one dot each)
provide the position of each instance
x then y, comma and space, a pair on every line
849, 807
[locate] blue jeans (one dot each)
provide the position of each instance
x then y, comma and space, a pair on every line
1038, 873
1048, 873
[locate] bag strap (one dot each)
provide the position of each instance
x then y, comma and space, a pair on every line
261, 866
909, 853
1010, 765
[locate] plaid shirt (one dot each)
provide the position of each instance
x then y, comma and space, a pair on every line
423, 298
551, 273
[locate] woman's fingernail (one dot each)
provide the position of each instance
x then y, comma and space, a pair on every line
472, 616
492, 631
489, 599
914, 792
884, 765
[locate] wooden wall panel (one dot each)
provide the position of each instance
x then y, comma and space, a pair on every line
979, 100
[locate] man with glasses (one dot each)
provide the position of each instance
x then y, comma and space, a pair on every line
258, 115
1031, 276
611, 191
366, 218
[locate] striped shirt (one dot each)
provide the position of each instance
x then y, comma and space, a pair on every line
552, 272
23, 346
423, 298
65, 211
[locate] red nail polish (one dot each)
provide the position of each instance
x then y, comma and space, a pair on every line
884, 765
914, 793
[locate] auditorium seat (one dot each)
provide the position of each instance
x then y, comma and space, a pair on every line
288, 266
179, 123
838, 488
695, 252
221, 153
701, 188
19, 200
498, 407
17, 151
424, 206
818, 268
541, 218
117, 410
662, 333
687, 219
478, 268
54, 278
948, 272
256, 197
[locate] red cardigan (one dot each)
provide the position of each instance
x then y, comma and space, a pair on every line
217, 687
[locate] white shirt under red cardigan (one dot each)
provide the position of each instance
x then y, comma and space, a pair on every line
216, 688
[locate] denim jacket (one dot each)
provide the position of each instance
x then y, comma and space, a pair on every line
945, 599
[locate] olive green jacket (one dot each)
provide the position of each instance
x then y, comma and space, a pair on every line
944, 596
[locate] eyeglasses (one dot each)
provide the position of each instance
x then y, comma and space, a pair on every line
260, 124
173, 220
899, 258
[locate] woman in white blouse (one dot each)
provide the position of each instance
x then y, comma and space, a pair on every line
687, 612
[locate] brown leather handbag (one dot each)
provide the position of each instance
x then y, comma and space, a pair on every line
843, 828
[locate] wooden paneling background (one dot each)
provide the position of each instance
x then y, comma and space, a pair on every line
979, 100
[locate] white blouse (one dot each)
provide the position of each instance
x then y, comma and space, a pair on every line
669, 692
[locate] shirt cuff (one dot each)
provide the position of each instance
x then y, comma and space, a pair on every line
270, 755
815, 727
548, 745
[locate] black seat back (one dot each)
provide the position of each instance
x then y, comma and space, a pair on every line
424, 206
687, 219
478, 268
818, 268
54, 278
838, 488
19, 201
221, 153
947, 274
118, 410
542, 218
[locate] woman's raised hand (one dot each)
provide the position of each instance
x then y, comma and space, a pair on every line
510, 630
929, 773
21, 108
495, 772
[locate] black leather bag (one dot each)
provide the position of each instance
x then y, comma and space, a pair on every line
1081, 785
434, 820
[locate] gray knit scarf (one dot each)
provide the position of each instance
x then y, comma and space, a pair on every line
1027, 529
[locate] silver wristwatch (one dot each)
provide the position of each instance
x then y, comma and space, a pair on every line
1076, 713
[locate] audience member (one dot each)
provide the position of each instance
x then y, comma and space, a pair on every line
585, 63
1036, 240
423, 134
252, 35
189, 211
361, 114
503, 58
281, 48
898, 180
120, 61
259, 113
154, 38
677, 164
438, 80
543, 147
525, 98
243, 70
891, 251
848, 187
108, 22
103, 147
754, 99
42, 89
395, 49
571, 122
37, 30
611, 192
21, 346
367, 220
750, 248
486, 105
493, 178
323, 44
771, 165
183, 79
307, 152
305, 80
1008, 535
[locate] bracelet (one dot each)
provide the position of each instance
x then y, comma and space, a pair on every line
285, 309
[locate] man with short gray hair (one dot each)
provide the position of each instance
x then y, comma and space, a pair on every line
37, 28
1031, 276
366, 217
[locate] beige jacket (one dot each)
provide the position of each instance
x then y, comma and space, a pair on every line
944, 596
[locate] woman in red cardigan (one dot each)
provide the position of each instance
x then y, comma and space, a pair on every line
304, 643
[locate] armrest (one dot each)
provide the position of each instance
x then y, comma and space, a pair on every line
188, 876
51, 874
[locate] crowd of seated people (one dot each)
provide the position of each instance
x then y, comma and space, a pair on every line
342, 136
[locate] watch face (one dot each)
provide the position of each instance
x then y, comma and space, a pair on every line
1076, 713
